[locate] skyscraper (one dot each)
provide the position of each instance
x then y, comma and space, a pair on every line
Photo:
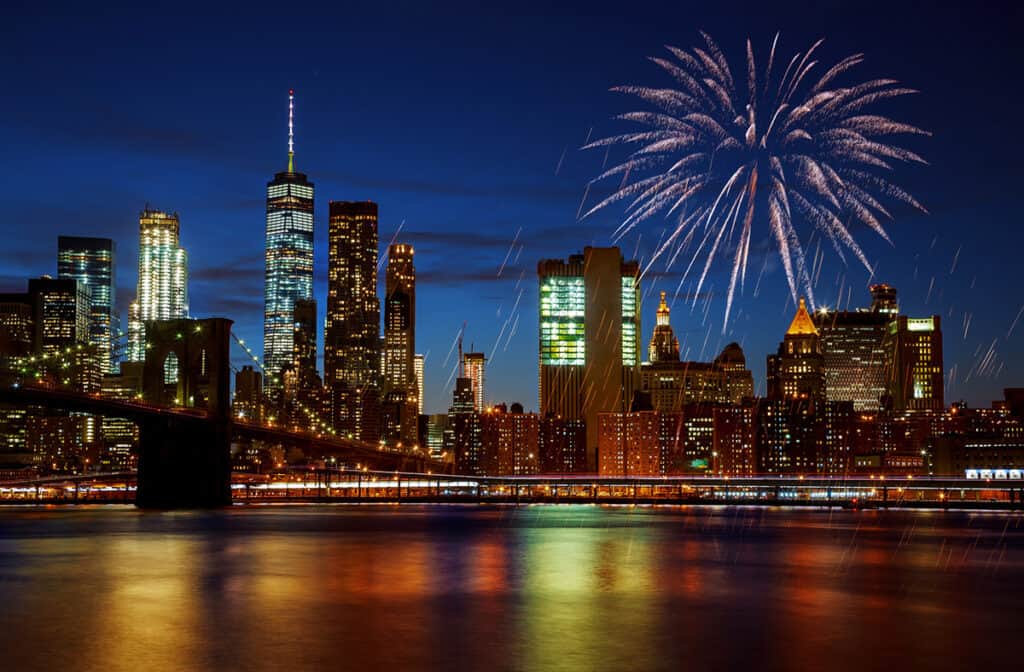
162, 292
91, 261
418, 364
855, 356
400, 321
664, 345
589, 337
303, 359
352, 327
914, 379
474, 364
463, 435
62, 318
797, 370
671, 383
289, 257
62, 309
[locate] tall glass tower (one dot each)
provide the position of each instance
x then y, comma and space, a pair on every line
400, 319
91, 261
289, 258
589, 338
162, 292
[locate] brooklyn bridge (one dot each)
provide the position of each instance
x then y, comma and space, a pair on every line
186, 428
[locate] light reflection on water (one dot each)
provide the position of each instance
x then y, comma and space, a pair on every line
531, 588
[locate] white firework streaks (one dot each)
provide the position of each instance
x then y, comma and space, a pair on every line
713, 154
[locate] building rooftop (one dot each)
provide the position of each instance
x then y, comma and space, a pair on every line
802, 325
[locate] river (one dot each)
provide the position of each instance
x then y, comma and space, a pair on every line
541, 587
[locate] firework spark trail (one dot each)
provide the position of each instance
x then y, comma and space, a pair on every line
383, 256
511, 332
561, 159
715, 156
455, 342
512, 319
508, 254
1015, 320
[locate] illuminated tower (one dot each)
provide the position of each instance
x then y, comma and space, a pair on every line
400, 320
91, 261
352, 347
303, 360
474, 365
289, 258
418, 364
589, 338
914, 375
162, 292
855, 354
797, 371
664, 345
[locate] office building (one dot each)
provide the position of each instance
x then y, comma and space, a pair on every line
853, 343
399, 369
248, 402
121, 436
914, 379
289, 258
664, 346
418, 363
437, 424
589, 338
162, 291
400, 319
797, 370
671, 384
463, 436
352, 345
62, 310
17, 329
303, 359
92, 262
352, 325
474, 365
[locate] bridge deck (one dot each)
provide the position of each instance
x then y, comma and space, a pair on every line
378, 486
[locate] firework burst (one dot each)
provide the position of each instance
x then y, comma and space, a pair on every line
716, 156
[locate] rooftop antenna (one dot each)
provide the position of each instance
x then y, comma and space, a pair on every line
462, 363
291, 130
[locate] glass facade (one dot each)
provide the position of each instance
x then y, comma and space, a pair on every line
630, 322
162, 292
352, 347
562, 303
289, 265
91, 261
400, 320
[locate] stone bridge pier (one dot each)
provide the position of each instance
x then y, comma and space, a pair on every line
184, 459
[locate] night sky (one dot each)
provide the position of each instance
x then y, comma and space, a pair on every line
465, 125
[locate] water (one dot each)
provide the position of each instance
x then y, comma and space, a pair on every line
531, 588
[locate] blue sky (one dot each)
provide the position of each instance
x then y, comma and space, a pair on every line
464, 123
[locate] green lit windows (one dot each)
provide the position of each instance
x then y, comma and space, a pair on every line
630, 339
561, 321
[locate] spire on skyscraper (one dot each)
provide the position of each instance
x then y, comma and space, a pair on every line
291, 130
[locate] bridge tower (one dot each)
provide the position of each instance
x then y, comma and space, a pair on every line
184, 459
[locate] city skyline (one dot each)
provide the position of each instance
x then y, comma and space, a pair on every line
511, 336
537, 198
